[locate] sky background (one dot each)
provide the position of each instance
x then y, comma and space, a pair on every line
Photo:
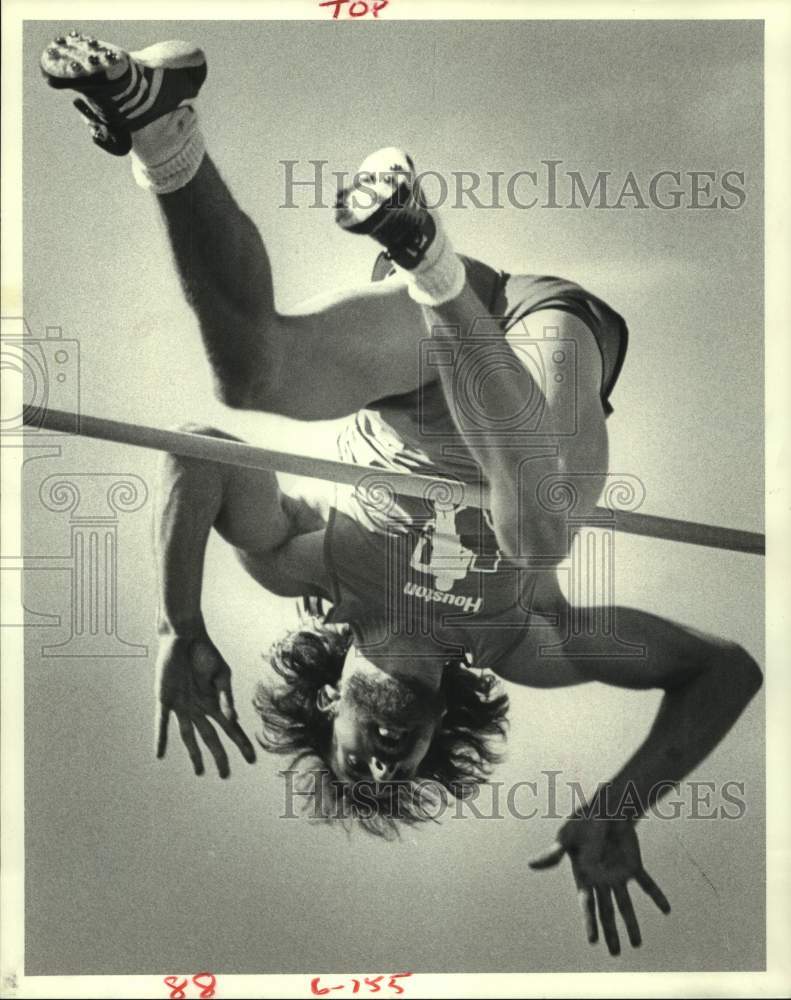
134, 865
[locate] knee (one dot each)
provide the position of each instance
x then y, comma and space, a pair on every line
243, 362
252, 376
172, 462
264, 395
231, 389
743, 670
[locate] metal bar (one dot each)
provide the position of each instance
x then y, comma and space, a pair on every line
238, 453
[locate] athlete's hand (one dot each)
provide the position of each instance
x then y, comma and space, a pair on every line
604, 855
194, 683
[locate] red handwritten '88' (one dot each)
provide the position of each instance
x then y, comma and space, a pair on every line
204, 981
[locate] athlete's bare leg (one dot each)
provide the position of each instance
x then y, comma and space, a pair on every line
339, 354
324, 361
492, 384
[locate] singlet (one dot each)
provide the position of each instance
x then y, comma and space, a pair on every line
404, 564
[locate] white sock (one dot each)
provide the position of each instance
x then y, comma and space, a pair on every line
440, 276
167, 153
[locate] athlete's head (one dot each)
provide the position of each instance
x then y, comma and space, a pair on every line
377, 740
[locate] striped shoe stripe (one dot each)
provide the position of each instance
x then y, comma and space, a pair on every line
156, 84
132, 84
136, 98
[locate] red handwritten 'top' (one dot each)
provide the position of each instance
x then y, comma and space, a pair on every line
356, 8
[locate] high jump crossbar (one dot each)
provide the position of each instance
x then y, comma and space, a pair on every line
238, 453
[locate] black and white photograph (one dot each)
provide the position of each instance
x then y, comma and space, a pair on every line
395, 487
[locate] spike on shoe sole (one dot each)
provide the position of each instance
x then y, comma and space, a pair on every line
83, 60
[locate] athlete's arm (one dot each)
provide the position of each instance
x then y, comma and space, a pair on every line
193, 679
187, 503
707, 684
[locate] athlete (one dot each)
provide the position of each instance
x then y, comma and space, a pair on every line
449, 368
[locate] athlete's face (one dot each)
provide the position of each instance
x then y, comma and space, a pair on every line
383, 725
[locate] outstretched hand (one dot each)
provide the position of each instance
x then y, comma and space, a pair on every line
604, 855
194, 683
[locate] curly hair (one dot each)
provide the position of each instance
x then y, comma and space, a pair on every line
461, 755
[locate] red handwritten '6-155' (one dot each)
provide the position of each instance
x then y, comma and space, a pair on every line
354, 985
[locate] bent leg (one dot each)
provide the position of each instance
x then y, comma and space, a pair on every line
224, 272
331, 357
531, 433
568, 408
